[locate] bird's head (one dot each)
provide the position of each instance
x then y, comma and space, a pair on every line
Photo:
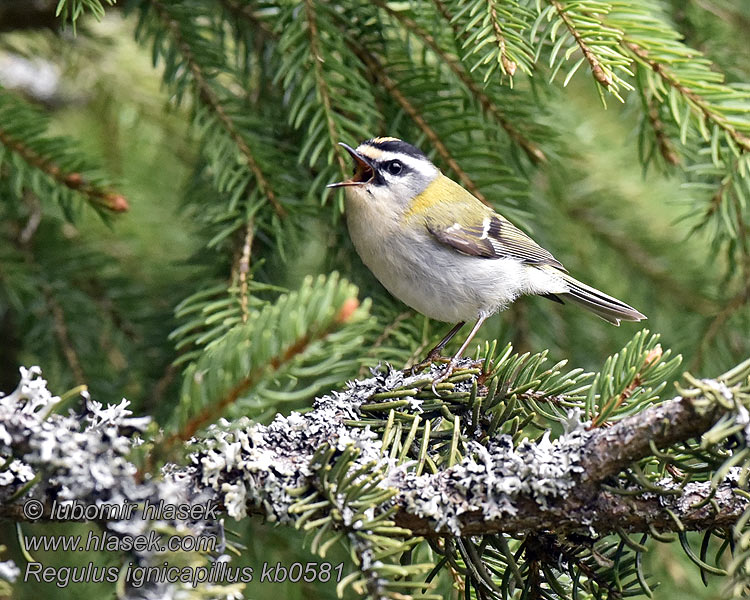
388, 171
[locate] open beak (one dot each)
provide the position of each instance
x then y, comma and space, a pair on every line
364, 172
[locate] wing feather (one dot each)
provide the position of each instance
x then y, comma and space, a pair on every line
457, 219
495, 237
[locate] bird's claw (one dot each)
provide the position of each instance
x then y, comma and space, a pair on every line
429, 359
442, 375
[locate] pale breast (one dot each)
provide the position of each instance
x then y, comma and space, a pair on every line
429, 277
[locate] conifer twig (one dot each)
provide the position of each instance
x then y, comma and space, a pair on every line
216, 408
596, 69
462, 501
95, 195
693, 98
530, 148
375, 67
243, 267
207, 95
666, 148
508, 65
325, 96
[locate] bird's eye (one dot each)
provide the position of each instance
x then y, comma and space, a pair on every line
395, 167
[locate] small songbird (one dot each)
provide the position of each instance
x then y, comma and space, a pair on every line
441, 251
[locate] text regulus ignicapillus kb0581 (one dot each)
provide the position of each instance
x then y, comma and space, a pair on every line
441, 251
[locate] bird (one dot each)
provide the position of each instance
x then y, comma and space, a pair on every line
441, 251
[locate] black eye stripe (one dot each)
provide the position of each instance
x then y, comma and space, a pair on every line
394, 166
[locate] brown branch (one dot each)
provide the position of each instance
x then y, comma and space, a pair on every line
695, 99
607, 512
243, 268
596, 69
208, 96
462, 494
63, 336
97, 196
375, 67
508, 65
666, 148
606, 453
531, 149
318, 61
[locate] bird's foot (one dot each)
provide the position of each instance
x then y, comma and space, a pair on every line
433, 356
443, 374
446, 371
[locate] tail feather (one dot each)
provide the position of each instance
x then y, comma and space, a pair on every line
608, 308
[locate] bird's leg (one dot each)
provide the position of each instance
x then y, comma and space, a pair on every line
452, 363
434, 354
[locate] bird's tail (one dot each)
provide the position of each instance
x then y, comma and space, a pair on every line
608, 308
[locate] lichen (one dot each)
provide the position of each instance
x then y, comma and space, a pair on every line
85, 457
491, 479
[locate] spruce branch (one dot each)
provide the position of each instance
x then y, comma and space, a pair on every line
597, 71
327, 471
582, 26
243, 268
509, 67
300, 345
465, 503
390, 85
495, 32
309, 321
208, 96
663, 142
325, 96
74, 180
531, 149
696, 100
72, 10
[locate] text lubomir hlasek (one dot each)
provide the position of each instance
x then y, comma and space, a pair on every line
158, 511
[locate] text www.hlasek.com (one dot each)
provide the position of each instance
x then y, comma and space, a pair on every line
95, 542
